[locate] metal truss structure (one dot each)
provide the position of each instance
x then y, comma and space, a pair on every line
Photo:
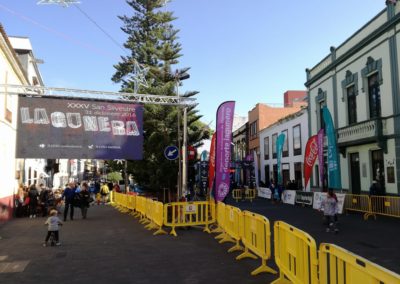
64, 3
8, 89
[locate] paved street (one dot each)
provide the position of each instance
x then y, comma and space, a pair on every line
114, 247
111, 247
376, 240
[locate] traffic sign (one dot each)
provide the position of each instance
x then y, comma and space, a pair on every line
191, 152
171, 153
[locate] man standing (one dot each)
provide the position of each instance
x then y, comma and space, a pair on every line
69, 194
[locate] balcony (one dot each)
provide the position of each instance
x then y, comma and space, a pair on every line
362, 133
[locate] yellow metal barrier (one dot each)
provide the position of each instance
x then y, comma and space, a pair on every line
338, 266
359, 203
232, 227
295, 255
220, 217
125, 203
131, 203
158, 217
237, 194
384, 205
183, 214
112, 197
141, 207
256, 237
250, 194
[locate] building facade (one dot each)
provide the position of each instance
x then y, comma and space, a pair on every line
240, 150
260, 117
294, 98
11, 72
359, 83
295, 128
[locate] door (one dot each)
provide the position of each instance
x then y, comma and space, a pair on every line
266, 173
355, 173
378, 170
285, 177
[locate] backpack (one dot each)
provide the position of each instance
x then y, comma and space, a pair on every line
104, 190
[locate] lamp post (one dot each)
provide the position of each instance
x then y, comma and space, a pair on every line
182, 174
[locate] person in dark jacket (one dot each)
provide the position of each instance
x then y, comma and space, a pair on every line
69, 195
84, 197
33, 200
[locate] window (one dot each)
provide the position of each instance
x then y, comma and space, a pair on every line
372, 79
266, 148
253, 130
350, 92
274, 137
285, 150
296, 140
352, 104
374, 95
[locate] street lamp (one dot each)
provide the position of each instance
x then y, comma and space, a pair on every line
182, 174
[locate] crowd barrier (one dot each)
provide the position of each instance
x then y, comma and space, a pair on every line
237, 194
231, 226
358, 203
250, 194
295, 255
140, 207
220, 214
132, 203
183, 214
256, 238
337, 265
384, 205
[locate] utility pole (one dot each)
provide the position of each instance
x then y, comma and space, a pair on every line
182, 174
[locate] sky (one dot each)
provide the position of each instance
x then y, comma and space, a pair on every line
249, 51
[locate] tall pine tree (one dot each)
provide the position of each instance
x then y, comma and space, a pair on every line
152, 41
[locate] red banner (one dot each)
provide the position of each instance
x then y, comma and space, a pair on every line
310, 157
211, 165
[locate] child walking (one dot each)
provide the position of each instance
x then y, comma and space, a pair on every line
330, 207
53, 223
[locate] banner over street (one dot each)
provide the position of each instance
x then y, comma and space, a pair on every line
56, 128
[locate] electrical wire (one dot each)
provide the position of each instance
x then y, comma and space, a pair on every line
100, 28
58, 33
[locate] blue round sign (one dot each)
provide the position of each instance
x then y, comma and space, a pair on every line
171, 152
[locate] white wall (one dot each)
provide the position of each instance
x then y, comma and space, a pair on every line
291, 159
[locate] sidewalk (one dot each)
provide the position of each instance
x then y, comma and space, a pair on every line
376, 240
111, 247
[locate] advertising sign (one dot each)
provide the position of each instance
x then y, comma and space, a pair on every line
203, 176
334, 180
279, 148
211, 165
223, 149
320, 136
320, 196
57, 128
310, 157
289, 196
264, 192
